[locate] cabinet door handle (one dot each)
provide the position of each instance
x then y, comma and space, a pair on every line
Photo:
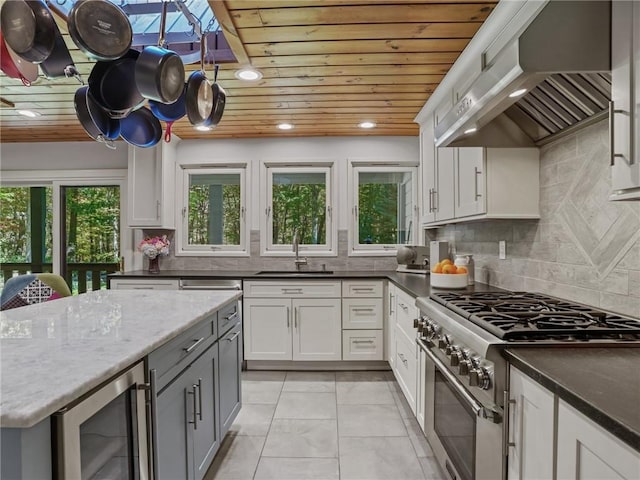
157, 208
612, 138
435, 203
288, 318
233, 337
200, 399
194, 422
475, 182
295, 317
391, 296
432, 208
193, 345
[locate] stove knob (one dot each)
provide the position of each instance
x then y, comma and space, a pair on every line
449, 349
417, 322
456, 356
479, 377
463, 368
443, 342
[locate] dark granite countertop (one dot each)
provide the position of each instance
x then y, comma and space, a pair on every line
601, 382
414, 284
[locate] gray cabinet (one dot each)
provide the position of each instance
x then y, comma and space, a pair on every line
229, 365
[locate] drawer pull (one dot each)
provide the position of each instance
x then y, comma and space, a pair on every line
233, 337
193, 345
363, 341
200, 399
363, 309
363, 289
231, 317
291, 290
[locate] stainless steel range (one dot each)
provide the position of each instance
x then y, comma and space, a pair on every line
463, 336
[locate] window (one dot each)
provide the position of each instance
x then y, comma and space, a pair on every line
383, 208
298, 200
213, 212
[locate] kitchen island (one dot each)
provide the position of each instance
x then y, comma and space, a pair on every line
55, 352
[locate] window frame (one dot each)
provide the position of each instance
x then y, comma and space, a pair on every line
183, 249
355, 168
267, 247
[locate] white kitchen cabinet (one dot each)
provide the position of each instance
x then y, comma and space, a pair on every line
587, 452
406, 313
151, 187
362, 345
304, 327
421, 388
143, 284
531, 429
625, 96
406, 368
361, 313
469, 182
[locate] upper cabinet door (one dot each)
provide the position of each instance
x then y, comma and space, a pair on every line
625, 94
151, 189
470, 182
428, 156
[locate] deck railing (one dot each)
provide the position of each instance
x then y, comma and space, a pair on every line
79, 276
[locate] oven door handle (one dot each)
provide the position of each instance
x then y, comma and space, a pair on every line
479, 409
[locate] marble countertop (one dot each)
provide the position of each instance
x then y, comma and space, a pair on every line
54, 352
601, 382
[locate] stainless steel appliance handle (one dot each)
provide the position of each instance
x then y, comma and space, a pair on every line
153, 406
194, 345
477, 408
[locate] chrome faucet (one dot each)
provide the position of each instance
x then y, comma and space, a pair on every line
296, 247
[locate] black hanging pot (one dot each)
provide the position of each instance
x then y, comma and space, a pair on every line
199, 94
171, 112
141, 128
28, 28
160, 72
113, 85
93, 119
100, 29
59, 63
219, 102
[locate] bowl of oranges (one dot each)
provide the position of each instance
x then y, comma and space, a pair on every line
445, 274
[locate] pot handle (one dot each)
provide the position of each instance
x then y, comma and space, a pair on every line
107, 143
163, 23
167, 133
203, 50
24, 81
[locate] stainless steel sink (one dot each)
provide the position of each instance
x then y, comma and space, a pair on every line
295, 273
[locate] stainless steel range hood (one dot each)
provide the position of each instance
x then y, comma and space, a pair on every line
562, 60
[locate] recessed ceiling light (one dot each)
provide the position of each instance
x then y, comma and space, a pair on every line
29, 113
248, 74
285, 126
203, 128
517, 93
367, 125
470, 130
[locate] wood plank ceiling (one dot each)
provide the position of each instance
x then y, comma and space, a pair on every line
327, 66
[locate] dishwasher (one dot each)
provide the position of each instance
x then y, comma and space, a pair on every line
217, 284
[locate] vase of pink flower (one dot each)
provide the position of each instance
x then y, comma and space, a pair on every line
153, 248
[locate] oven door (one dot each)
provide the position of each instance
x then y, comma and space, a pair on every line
104, 435
465, 435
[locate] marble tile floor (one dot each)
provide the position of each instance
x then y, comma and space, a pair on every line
324, 426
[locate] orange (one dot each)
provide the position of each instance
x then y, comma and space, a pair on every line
437, 268
446, 261
462, 270
449, 269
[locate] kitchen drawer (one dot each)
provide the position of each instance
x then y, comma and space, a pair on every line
228, 317
292, 289
160, 284
361, 313
362, 345
406, 369
406, 313
169, 359
362, 288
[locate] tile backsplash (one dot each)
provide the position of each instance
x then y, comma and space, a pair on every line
255, 262
584, 247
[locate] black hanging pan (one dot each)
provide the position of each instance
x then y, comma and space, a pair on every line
28, 28
219, 101
59, 63
113, 85
199, 94
100, 29
93, 119
160, 72
141, 128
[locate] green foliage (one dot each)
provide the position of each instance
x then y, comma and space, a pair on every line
299, 207
224, 218
378, 213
